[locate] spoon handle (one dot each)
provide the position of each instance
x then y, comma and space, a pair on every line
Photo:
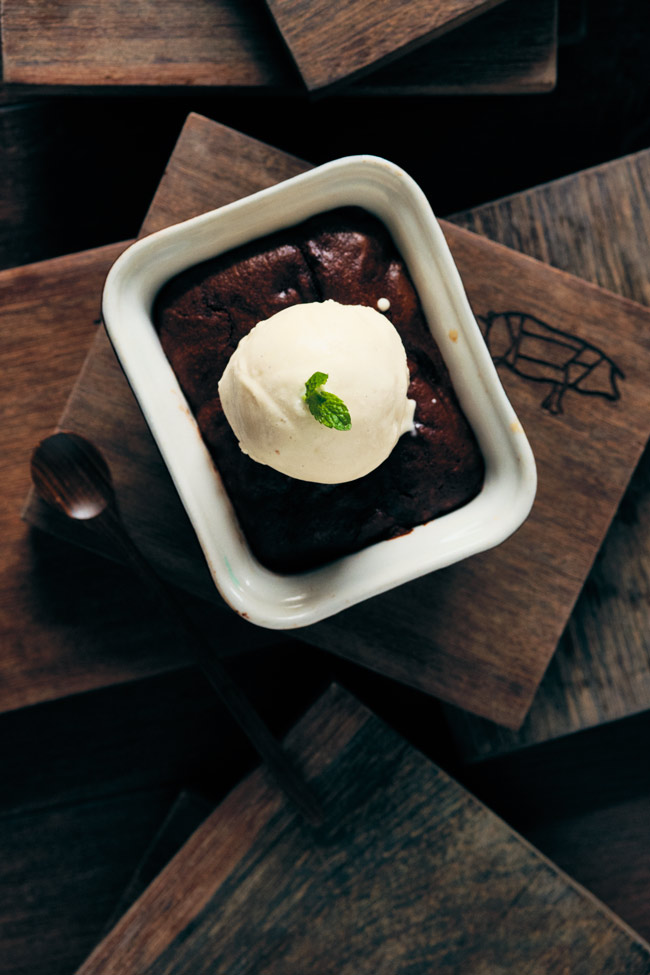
109, 524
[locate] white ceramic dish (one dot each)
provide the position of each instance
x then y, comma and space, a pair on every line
264, 597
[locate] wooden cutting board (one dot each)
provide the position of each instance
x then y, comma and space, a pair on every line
234, 44
479, 634
409, 874
68, 622
599, 672
331, 43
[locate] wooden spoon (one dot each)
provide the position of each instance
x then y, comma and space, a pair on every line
70, 474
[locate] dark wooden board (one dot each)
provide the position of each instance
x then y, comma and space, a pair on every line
584, 801
233, 44
409, 873
185, 815
600, 671
168, 732
68, 621
479, 634
331, 43
87, 780
230, 43
606, 850
63, 869
511, 49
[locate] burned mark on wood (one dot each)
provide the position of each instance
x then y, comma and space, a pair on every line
537, 351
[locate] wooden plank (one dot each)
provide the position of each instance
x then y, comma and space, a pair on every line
174, 42
87, 781
168, 731
598, 205
584, 801
188, 811
408, 873
479, 634
605, 849
63, 868
68, 621
600, 671
234, 45
510, 49
331, 44
85, 784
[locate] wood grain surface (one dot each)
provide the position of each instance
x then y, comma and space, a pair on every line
334, 43
409, 874
511, 49
173, 42
66, 865
50, 596
479, 634
167, 733
88, 779
186, 814
234, 44
601, 670
584, 801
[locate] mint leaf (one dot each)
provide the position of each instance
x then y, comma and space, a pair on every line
312, 384
324, 406
329, 410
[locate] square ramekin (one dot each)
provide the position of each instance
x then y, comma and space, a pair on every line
288, 601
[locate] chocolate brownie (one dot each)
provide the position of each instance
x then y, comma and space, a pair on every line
349, 256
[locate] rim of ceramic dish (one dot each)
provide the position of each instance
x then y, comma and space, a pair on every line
255, 592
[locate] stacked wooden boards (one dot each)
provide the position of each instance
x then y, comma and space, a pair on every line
234, 45
479, 634
68, 622
409, 873
595, 224
335, 43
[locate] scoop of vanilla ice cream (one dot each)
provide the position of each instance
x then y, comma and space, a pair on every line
263, 386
